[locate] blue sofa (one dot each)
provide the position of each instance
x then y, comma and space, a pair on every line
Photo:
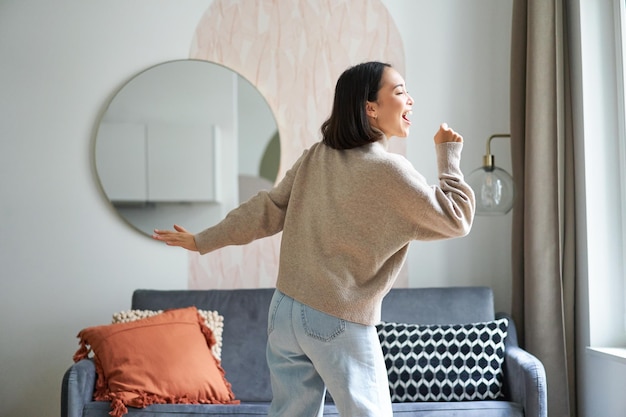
243, 355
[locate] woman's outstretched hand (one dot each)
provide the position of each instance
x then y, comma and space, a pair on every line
177, 237
446, 134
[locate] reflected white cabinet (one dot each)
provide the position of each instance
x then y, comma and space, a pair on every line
157, 162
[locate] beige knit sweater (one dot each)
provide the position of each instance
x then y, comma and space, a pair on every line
347, 219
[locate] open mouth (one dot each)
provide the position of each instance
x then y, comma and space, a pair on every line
406, 115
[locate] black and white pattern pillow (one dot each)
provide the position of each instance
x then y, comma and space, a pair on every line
444, 362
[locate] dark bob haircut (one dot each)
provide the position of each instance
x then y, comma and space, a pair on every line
348, 126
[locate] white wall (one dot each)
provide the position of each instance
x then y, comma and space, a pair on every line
67, 259
457, 59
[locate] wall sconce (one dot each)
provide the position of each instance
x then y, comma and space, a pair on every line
493, 186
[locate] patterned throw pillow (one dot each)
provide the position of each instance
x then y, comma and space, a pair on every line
444, 362
212, 319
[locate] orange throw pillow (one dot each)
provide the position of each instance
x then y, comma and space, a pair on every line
165, 359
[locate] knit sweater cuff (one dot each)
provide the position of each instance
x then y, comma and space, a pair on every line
449, 158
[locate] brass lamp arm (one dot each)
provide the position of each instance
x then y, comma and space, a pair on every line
488, 158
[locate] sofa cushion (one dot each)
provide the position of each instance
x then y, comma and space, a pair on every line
255, 409
161, 359
444, 362
212, 319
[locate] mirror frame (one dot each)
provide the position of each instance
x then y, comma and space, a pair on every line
224, 103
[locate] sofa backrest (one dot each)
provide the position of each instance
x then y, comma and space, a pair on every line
449, 305
245, 322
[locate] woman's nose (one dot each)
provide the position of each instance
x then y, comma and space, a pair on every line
410, 100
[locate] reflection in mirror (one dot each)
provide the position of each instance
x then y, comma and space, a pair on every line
185, 142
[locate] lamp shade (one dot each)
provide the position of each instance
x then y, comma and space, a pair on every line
494, 190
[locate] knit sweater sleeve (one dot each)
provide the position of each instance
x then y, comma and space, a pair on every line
450, 205
261, 216
441, 210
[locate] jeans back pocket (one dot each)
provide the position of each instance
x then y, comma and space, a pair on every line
321, 326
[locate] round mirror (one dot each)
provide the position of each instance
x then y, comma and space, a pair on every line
185, 142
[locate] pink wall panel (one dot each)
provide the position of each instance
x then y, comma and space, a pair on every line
293, 51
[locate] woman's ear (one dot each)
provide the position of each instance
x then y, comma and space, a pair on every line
370, 109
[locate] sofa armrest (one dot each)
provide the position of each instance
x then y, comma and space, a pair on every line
77, 388
524, 376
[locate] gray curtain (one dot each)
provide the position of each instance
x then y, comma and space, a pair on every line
543, 250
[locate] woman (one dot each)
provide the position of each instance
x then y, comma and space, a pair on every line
348, 210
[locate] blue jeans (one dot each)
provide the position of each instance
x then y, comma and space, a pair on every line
308, 351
